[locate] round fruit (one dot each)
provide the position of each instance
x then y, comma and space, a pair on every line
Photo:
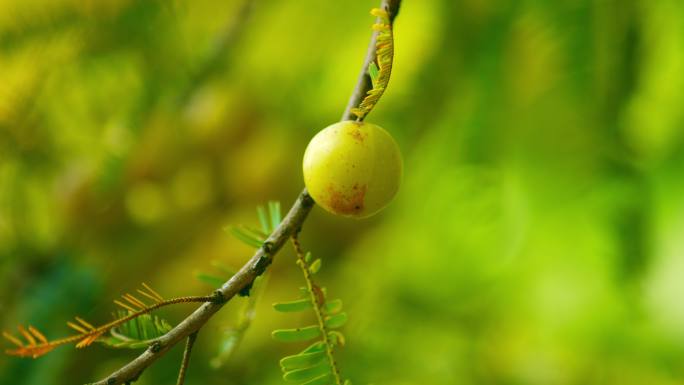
352, 168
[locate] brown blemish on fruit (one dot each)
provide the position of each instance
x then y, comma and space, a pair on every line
346, 204
358, 135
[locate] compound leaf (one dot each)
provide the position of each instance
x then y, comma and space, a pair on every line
298, 334
302, 360
336, 321
293, 306
315, 266
307, 374
332, 306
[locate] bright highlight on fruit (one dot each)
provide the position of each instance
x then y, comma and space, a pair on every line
352, 168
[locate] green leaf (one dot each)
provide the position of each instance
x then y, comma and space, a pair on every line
332, 307
256, 233
161, 326
302, 360
229, 272
318, 346
337, 338
211, 280
304, 292
293, 306
315, 266
347, 382
298, 334
374, 72
324, 379
147, 329
118, 343
261, 213
252, 233
307, 257
231, 337
228, 342
307, 374
136, 333
274, 211
244, 237
336, 321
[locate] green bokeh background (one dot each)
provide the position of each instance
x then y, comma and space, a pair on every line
538, 237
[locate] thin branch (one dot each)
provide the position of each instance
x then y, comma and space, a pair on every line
260, 260
186, 358
237, 283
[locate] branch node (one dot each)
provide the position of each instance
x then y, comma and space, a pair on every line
155, 347
267, 247
111, 381
244, 292
261, 264
218, 297
307, 200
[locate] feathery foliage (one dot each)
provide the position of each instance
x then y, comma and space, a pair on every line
316, 364
132, 327
380, 69
137, 333
269, 218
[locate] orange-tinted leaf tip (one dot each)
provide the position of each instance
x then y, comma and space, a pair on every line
154, 293
125, 306
88, 340
12, 339
76, 327
38, 334
30, 351
134, 301
27, 335
84, 323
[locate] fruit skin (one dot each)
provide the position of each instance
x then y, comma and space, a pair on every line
352, 169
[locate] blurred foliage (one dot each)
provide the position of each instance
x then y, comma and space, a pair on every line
537, 238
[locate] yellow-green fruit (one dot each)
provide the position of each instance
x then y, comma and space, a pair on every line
352, 168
